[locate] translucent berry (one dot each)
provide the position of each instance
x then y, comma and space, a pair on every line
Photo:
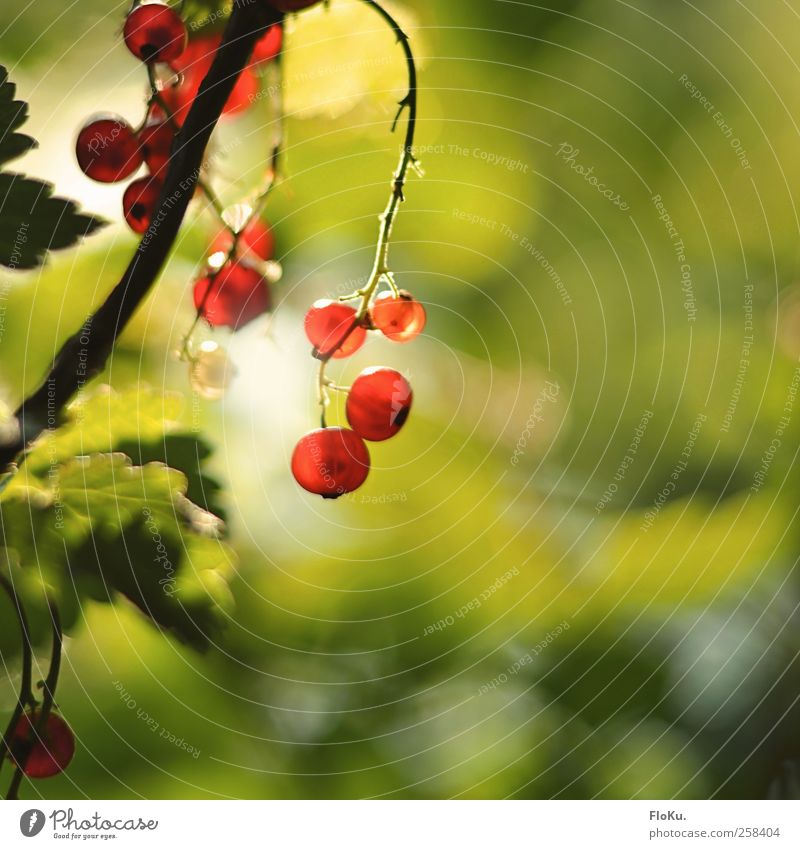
400, 319
107, 149
155, 141
332, 329
256, 241
42, 752
191, 67
139, 202
211, 371
330, 461
233, 296
378, 403
268, 46
154, 32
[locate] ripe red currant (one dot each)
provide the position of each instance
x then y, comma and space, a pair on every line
192, 66
49, 749
268, 46
400, 319
139, 202
232, 297
332, 329
154, 32
256, 240
330, 461
107, 149
156, 143
378, 403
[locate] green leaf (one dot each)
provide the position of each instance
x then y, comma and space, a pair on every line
13, 114
33, 222
101, 527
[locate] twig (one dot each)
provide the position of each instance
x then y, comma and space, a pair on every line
79, 361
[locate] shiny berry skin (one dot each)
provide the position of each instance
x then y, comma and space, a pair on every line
107, 149
268, 46
400, 319
156, 143
154, 32
255, 241
378, 403
192, 66
233, 297
139, 202
330, 461
49, 751
331, 329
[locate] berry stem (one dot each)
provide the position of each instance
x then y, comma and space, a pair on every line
26, 697
407, 159
49, 686
77, 362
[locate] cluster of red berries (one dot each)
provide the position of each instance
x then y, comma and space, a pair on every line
332, 461
41, 752
110, 150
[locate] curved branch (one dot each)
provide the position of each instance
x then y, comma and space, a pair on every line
84, 355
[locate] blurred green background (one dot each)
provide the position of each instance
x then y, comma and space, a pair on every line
573, 573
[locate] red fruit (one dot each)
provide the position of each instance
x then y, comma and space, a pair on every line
332, 330
378, 403
49, 750
154, 32
330, 461
232, 297
268, 46
192, 66
139, 202
156, 143
256, 240
107, 149
292, 5
400, 319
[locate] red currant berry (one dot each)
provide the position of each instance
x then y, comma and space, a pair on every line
156, 143
330, 461
268, 46
255, 241
332, 329
49, 749
292, 5
400, 319
154, 32
139, 202
378, 403
192, 66
232, 297
107, 149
